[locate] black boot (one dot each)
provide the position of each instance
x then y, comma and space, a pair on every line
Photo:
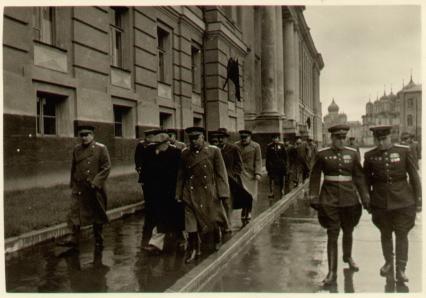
400, 272
347, 251
218, 238
387, 249
332, 262
192, 248
99, 239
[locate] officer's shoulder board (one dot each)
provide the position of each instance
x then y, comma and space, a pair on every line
371, 150
184, 149
99, 144
402, 146
323, 149
212, 146
350, 148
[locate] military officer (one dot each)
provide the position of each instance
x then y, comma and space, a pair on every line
394, 200
202, 184
234, 167
407, 139
140, 160
352, 144
89, 171
173, 141
276, 165
252, 168
338, 203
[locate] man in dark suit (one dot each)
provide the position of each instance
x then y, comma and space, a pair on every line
90, 168
140, 160
161, 167
276, 165
394, 199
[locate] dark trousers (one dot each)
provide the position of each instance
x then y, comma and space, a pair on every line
399, 221
149, 218
276, 185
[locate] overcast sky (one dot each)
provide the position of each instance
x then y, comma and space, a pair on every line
364, 48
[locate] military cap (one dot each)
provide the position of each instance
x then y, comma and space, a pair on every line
381, 130
171, 130
405, 134
151, 132
85, 129
194, 130
160, 137
223, 132
245, 132
340, 129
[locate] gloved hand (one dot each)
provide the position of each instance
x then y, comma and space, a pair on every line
314, 202
257, 177
419, 205
367, 204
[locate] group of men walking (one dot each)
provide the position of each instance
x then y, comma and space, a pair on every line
190, 192
387, 186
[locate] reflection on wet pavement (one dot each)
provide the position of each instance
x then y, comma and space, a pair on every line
121, 267
290, 256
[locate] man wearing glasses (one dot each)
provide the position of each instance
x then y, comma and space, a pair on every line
337, 203
89, 170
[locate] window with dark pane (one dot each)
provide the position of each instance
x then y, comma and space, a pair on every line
44, 24
117, 32
118, 121
162, 41
46, 114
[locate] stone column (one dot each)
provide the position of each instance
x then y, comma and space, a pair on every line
290, 72
268, 60
279, 61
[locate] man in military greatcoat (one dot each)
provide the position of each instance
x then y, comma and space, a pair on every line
161, 166
407, 139
140, 160
276, 165
352, 144
337, 203
202, 185
239, 198
172, 132
89, 171
252, 168
394, 199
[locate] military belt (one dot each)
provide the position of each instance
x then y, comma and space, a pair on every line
338, 178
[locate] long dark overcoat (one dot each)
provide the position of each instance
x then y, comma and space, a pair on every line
160, 187
202, 180
90, 166
234, 167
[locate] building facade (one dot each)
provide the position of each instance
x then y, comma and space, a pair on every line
334, 117
401, 110
128, 69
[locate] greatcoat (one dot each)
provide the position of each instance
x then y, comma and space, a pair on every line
202, 181
90, 167
252, 165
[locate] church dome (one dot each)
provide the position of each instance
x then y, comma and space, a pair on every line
333, 107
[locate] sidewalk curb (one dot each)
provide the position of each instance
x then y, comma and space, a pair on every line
198, 277
14, 244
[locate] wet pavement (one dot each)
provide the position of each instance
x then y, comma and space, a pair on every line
290, 256
122, 266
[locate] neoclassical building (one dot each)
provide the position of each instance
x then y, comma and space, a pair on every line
128, 69
401, 110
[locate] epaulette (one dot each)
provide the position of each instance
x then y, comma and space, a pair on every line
184, 149
172, 145
374, 148
212, 146
350, 148
323, 149
402, 146
99, 144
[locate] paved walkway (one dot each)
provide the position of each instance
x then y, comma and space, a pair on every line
290, 256
122, 266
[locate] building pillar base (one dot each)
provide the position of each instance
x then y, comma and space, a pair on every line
265, 126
